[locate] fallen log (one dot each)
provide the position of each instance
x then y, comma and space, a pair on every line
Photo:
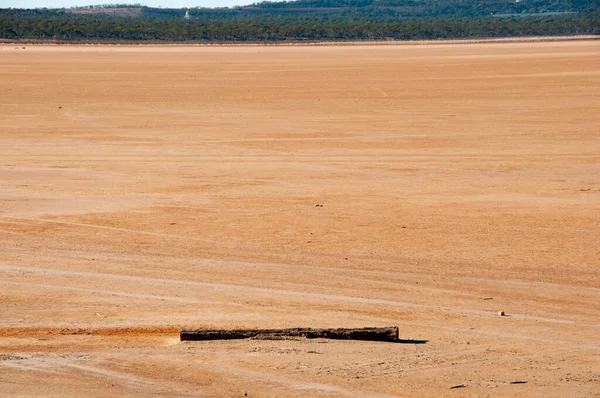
371, 334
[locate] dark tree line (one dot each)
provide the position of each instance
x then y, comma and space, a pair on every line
314, 20
431, 8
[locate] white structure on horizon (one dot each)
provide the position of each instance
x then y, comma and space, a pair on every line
187, 14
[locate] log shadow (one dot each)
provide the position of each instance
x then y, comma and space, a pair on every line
411, 341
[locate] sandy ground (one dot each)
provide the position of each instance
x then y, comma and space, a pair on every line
143, 190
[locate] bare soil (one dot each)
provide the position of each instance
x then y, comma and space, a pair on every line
148, 189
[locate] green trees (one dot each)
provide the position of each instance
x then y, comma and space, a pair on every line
317, 20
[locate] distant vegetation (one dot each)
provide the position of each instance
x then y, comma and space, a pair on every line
309, 20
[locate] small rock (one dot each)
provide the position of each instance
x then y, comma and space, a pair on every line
501, 313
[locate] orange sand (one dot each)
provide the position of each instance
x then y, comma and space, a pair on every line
144, 189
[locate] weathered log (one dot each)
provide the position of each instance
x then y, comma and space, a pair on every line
372, 334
